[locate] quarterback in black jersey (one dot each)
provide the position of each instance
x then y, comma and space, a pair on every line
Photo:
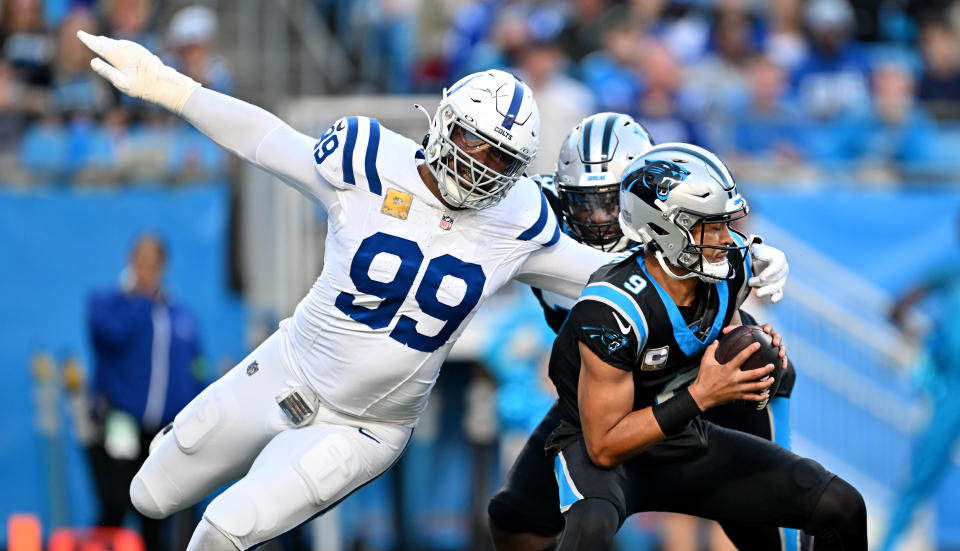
584, 194
634, 367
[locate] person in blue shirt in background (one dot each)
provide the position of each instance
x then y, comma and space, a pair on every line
832, 84
939, 372
833, 80
148, 366
896, 130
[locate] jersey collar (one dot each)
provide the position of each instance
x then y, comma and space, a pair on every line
689, 343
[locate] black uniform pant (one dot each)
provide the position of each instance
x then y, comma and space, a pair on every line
737, 479
529, 500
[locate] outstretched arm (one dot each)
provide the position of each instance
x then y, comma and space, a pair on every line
258, 137
252, 133
563, 268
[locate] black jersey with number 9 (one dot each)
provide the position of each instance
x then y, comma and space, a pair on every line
629, 321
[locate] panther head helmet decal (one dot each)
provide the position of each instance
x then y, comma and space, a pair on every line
662, 176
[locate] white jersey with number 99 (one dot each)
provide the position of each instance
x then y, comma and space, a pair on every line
402, 273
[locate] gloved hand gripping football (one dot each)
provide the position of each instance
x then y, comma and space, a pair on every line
138, 73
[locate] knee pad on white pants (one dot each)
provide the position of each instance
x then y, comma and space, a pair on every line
299, 474
198, 421
241, 518
152, 491
218, 435
291, 484
166, 481
328, 467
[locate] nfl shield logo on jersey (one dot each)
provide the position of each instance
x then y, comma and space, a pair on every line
446, 222
253, 368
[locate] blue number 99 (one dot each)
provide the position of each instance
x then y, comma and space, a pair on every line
438, 268
392, 292
327, 143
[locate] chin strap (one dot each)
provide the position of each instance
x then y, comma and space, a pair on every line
667, 267
623, 244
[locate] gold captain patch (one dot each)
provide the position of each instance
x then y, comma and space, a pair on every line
655, 358
397, 204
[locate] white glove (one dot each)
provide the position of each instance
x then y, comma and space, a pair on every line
770, 269
138, 73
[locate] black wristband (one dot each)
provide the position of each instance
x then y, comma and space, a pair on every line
674, 414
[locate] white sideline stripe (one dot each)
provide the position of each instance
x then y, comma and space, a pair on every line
878, 333
159, 368
882, 337
802, 253
861, 391
851, 284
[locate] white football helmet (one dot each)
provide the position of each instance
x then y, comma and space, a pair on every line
590, 166
484, 134
666, 192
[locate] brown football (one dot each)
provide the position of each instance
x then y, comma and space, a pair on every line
738, 339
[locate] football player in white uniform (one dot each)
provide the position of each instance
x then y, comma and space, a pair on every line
418, 239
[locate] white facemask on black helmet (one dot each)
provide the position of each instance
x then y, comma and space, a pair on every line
494, 118
591, 163
666, 192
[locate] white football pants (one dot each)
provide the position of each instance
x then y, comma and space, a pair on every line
235, 429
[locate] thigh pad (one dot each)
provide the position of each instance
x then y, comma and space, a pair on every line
198, 421
329, 466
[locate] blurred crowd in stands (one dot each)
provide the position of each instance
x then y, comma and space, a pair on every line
60, 123
785, 90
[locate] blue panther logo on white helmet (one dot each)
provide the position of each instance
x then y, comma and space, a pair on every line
483, 136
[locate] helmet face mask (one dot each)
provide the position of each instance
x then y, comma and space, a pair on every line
479, 145
589, 169
592, 215
694, 257
670, 190
480, 165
